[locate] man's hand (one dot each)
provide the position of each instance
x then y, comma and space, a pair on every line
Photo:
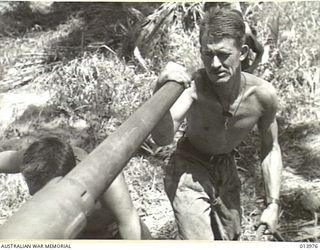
270, 217
174, 72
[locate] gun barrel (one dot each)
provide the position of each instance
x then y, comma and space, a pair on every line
61, 208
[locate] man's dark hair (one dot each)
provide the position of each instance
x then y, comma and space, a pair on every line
221, 23
45, 159
211, 5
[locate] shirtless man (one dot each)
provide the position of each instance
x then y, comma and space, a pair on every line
221, 105
49, 157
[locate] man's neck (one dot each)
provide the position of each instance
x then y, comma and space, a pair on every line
227, 93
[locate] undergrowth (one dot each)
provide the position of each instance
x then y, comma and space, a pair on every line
94, 87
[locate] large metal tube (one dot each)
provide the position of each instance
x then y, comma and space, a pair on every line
61, 208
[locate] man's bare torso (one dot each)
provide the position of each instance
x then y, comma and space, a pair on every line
207, 130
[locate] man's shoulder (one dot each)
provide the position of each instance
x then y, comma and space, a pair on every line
264, 91
199, 75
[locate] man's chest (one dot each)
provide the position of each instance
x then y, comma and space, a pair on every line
208, 116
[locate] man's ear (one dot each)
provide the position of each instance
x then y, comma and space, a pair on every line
244, 52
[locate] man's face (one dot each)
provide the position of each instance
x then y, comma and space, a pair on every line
221, 58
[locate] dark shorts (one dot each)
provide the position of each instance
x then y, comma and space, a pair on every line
204, 193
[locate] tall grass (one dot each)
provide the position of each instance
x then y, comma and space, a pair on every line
292, 36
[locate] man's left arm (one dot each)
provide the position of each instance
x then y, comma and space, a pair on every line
271, 161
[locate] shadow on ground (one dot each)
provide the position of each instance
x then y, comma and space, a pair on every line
301, 149
37, 122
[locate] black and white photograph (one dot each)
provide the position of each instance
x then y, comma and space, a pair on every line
160, 121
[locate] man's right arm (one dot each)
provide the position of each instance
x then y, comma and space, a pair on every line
165, 130
10, 162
